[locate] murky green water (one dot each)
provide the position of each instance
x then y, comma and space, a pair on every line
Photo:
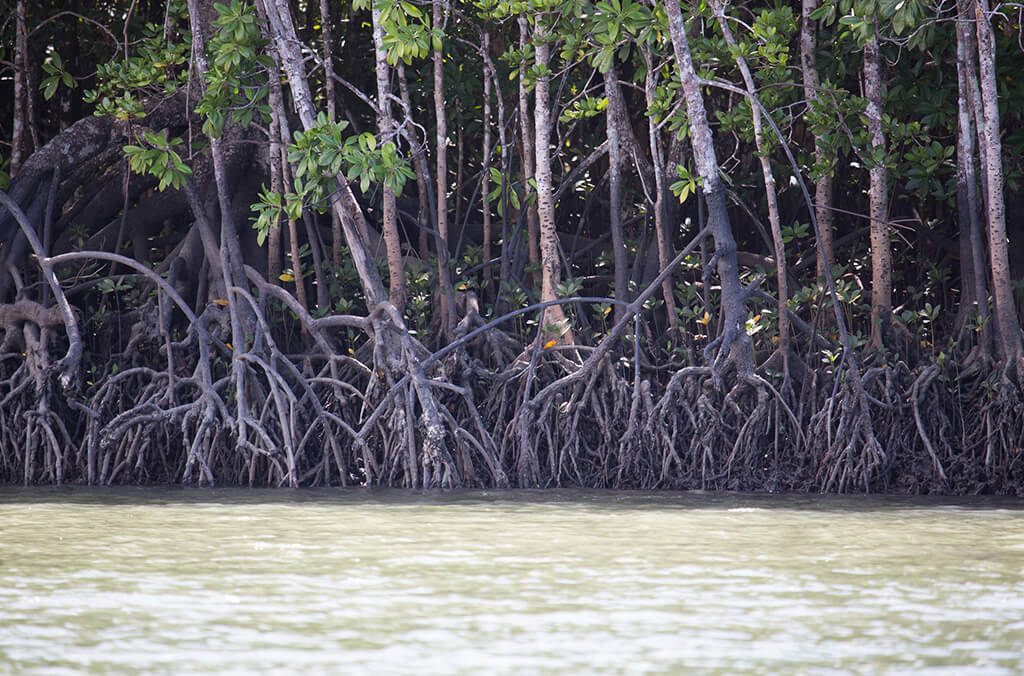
172, 581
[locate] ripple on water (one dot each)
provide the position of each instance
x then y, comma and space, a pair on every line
468, 583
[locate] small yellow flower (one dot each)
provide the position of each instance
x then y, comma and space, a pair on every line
705, 319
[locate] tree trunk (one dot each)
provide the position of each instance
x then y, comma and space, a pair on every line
823, 185
486, 168
769, 188
460, 161
20, 90
551, 265
419, 163
276, 179
611, 90
286, 43
1007, 324
881, 255
297, 272
973, 281
529, 163
661, 195
503, 273
974, 96
734, 343
325, 34
448, 316
386, 125
228, 233
332, 113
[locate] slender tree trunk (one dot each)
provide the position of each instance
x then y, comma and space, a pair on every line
460, 154
823, 185
297, 271
230, 247
325, 34
286, 44
228, 235
551, 265
529, 153
974, 96
1007, 323
280, 159
974, 285
661, 194
332, 113
20, 89
881, 255
448, 316
769, 188
611, 90
734, 343
486, 168
386, 125
276, 183
419, 163
503, 273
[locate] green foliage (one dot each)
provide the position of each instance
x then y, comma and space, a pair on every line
159, 160
587, 38
508, 191
584, 108
612, 21
155, 67
237, 80
687, 183
568, 288
321, 154
53, 66
930, 172
797, 231
407, 31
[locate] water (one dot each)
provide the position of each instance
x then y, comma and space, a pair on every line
351, 582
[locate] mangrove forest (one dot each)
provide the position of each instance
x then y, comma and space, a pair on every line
752, 245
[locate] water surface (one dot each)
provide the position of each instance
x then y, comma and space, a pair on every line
354, 582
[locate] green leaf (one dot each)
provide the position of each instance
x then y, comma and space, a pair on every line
50, 87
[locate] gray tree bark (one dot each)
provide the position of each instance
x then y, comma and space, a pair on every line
386, 126
550, 262
529, 154
661, 194
1007, 323
975, 289
611, 90
823, 185
20, 93
734, 343
448, 316
332, 113
486, 164
771, 196
286, 43
881, 254
419, 163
